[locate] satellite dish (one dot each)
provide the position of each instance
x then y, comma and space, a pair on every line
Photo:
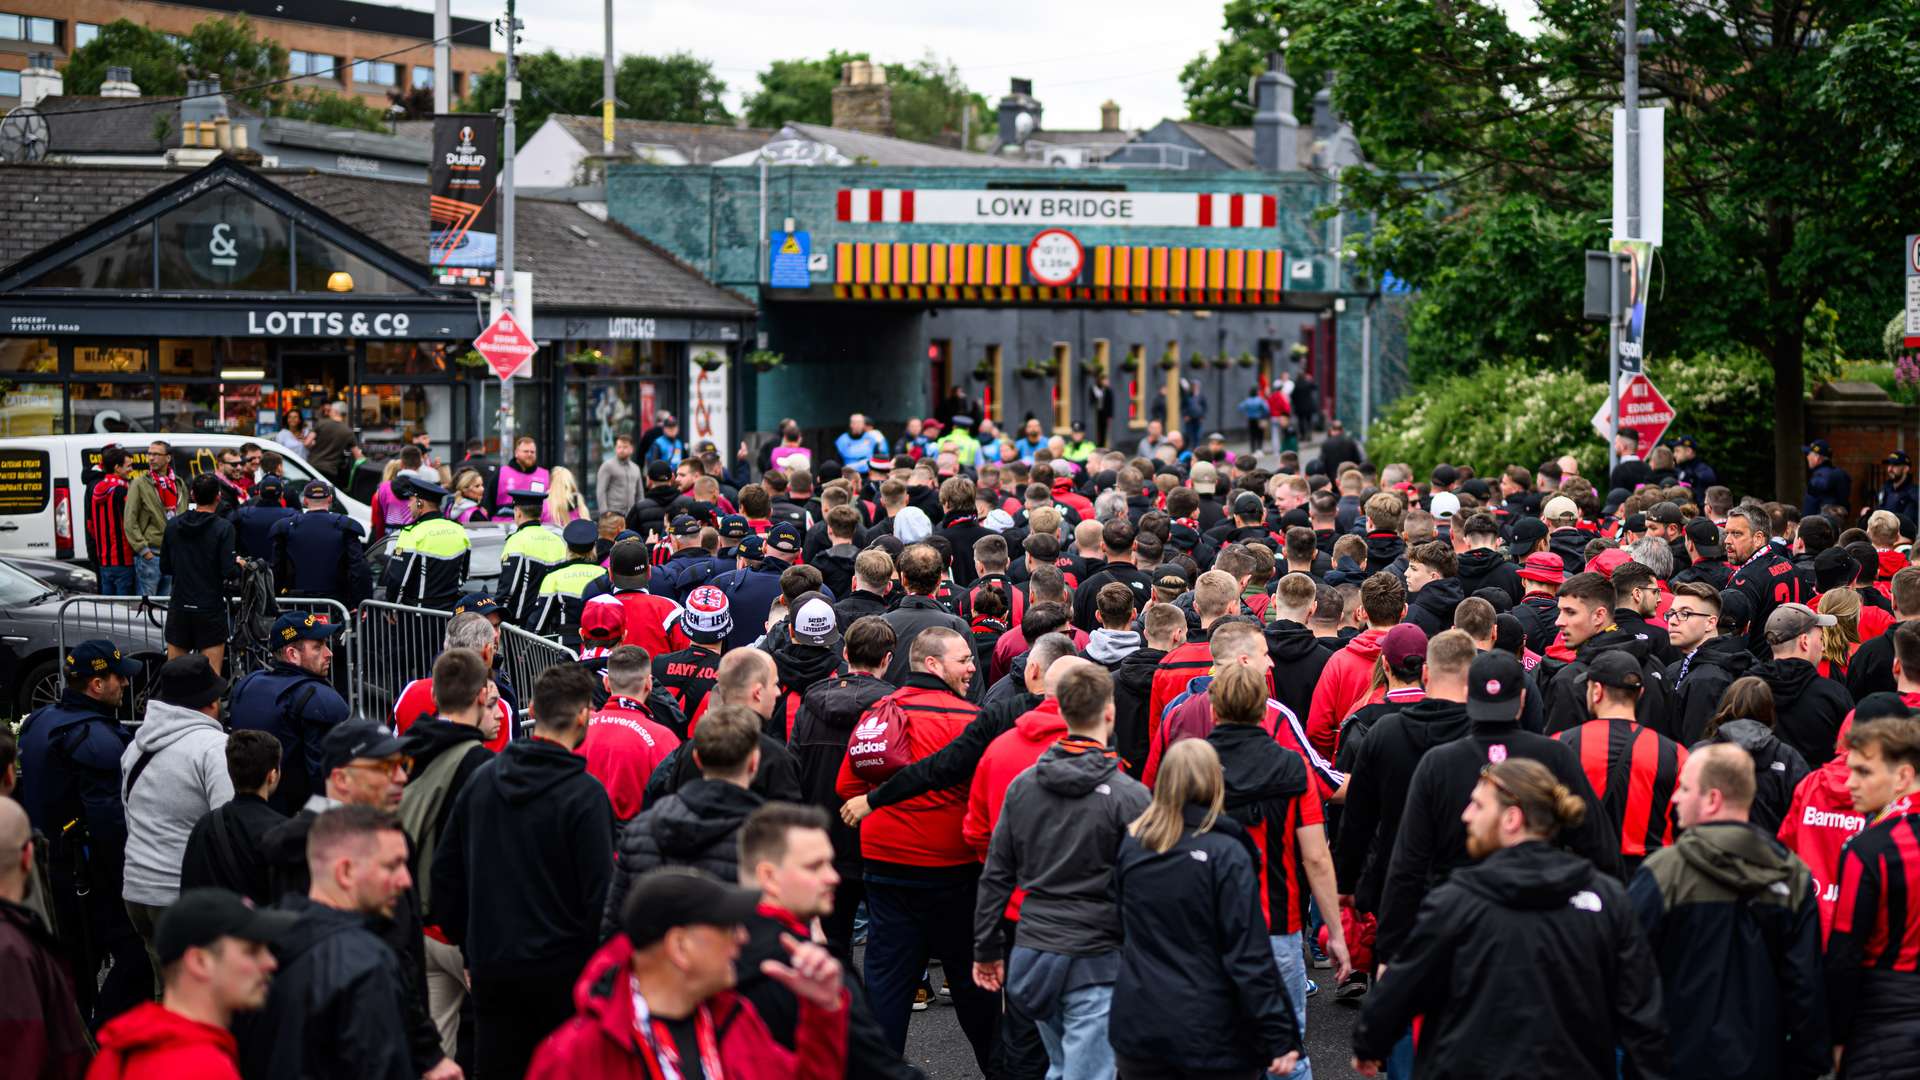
23, 136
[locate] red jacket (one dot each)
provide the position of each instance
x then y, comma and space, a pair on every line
1064, 494
924, 831
1176, 669
1342, 688
416, 701
653, 622
1821, 819
599, 1041
1010, 754
623, 746
148, 1041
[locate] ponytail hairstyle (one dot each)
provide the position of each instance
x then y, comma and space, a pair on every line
1837, 642
1546, 804
1189, 776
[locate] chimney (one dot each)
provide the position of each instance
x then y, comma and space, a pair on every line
203, 108
1019, 113
1325, 120
1276, 143
40, 80
119, 84
863, 101
1110, 116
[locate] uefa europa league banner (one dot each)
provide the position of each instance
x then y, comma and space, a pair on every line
463, 194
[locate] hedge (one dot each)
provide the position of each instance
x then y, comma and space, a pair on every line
1513, 413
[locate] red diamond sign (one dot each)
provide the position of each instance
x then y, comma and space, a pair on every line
1644, 411
506, 346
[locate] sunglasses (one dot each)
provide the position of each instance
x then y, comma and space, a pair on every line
384, 765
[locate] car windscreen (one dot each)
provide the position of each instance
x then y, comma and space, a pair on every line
19, 588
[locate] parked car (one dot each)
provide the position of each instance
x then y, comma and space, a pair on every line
483, 569
30, 616
70, 578
44, 479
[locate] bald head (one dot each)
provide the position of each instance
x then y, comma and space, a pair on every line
1060, 668
16, 854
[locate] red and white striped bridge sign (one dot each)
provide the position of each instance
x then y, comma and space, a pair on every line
944, 206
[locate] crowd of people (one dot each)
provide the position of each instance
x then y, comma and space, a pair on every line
1140, 747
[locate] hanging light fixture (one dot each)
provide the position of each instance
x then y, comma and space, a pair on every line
339, 281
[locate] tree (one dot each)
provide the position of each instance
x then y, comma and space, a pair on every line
678, 87
334, 110
928, 96
1490, 166
1216, 83
155, 62
797, 91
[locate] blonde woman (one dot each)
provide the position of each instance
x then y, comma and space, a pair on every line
1190, 917
564, 501
1840, 641
469, 497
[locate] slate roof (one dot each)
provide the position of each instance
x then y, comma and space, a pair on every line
120, 126
700, 144
577, 260
885, 150
340, 140
1230, 145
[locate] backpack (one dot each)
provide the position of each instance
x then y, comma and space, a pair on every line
420, 804
879, 746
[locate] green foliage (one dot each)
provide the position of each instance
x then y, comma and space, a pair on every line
797, 91
157, 64
929, 96
678, 87
1216, 83
339, 110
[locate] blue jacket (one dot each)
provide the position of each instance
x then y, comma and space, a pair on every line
668, 449
750, 596
320, 553
857, 452
298, 708
1903, 500
253, 529
1696, 474
70, 770
683, 572
1828, 485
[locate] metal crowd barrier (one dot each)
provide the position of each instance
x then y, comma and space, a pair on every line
525, 655
395, 644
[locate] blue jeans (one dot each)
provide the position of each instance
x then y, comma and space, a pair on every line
146, 576
1293, 978
116, 581
1400, 1063
1076, 1035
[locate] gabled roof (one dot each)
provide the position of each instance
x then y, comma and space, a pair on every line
89, 124
1232, 146
868, 149
699, 144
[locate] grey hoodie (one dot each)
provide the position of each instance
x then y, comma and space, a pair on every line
1108, 647
185, 778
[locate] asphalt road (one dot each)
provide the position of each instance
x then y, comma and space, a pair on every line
936, 1044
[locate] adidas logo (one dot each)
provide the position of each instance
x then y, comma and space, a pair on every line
870, 728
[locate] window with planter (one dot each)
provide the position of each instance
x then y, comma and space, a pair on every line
1062, 388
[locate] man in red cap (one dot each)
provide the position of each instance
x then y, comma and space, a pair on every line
1541, 575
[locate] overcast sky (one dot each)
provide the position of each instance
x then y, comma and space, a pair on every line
1078, 53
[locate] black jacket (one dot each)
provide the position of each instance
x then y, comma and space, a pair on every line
821, 730
797, 667
1733, 922
533, 808
334, 1009
1431, 609
1433, 840
1264, 782
1659, 643
1298, 658
227, 849
1377, 794
1131, 576
962, 530
778, 779
1132, 686
1537, 614
1198, 989
836, 568
1777, 769
1871, 670
1714, 572
952, 765
911, 615
1566, 691
1383, 550
1058, 834
1484, 567
1571, 545
857, 604
869, 1055
197, 551
1808, 707
697, 826
1549, 938
1692, 700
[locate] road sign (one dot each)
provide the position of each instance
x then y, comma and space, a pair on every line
1912, 334
1055, 257
506, 347
787, 256
1643, 411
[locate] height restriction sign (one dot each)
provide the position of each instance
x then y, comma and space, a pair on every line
506, 347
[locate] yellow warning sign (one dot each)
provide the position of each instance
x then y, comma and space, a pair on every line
791, 246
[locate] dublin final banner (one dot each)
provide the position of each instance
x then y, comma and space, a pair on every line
462, 198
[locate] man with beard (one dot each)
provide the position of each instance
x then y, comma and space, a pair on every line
1898, 495
1762, 570
1587, 603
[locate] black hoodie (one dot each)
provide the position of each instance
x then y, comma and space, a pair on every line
1298, 658
1553, 940
1264, 783
799, 666
197, 551
1383, 550
1659, 642
1483, 567
1693, 699
333, 966
1538, 614
836, 569
1132, 686
697, 826
1808, 707
1376, 797
655, 509
535, 809
1571, 545
1566, 691
822, 727
1431, 609
1777, 769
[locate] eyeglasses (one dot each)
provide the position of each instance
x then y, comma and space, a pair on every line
1683, 616
384, 765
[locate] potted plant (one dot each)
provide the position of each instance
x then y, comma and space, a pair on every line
1031, 370
471, 358
591, 358
1130, 363
1169, 360
1246, 360
710, 360
1299, 350
982, 371
764, 360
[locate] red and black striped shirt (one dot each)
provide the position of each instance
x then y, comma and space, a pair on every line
107, 523
1633, 770
1876, 922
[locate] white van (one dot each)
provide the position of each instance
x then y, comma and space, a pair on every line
42, 483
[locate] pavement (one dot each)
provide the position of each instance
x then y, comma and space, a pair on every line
937, 1046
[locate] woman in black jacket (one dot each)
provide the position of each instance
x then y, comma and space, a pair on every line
1198, 991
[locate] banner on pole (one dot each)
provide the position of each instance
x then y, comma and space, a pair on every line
462, 199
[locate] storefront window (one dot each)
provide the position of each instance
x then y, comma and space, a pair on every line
126, 263
110, 358
599, 359
183, 356
658, 358
410, 357
224, 240
529, 413
387, 413
29, 356
597, 412
213, 408
31, 409
112, 407
316, 261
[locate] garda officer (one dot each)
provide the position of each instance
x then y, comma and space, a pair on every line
430, 556
562, 591
320, 553
530, 554
70, 788
689, 566
295, 703
1827, 484
1688, 468
1898, 495
253, 523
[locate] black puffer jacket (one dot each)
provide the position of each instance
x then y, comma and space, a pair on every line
799, 666
821, 731
1431, 609
1571, 546
696, 826
1484, 567
1808, 708
1567, 690
1383, 550
1298, 658
1693, 700
1555, 942
1377, 795
1777, 769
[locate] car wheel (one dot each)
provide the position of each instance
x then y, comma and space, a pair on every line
40, 687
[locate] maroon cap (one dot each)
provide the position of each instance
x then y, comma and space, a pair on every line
1402, 645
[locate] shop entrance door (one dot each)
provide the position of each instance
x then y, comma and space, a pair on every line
311, 378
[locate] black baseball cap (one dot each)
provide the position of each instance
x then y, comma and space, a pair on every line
200, 917
480, 603
1635, 523
1818, 446
686, 525
1246, 505
189, 682
629, 563
1615, 668
752, 546
1897, 457
1879, 706
1494, 685
673, 897
1446, 475
1834, 568
1170, 576
1525, 533
351, 740
659, 472
1705, 536
1736, 610
735, 527
1666, 513
92, 659
317, 489
784, 538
